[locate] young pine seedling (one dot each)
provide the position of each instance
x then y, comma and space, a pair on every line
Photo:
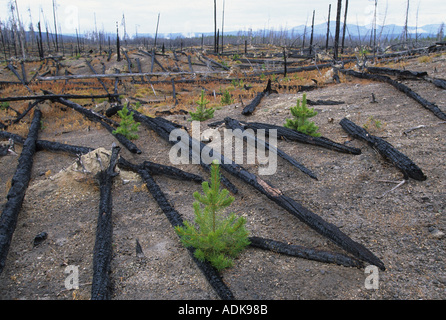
300, 121
127, 127
202, 113
216, 237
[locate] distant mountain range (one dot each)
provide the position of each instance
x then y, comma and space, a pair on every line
354, 31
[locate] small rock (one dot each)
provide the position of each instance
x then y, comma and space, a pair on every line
437, 234
40, 238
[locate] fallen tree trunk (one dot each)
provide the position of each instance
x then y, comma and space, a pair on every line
305, 253
249, 109
401, 161
401, 87
172, 172
211, 274
48, 145
294, 135
102, 254
16, 194
398, 73
241, 133
163, 127
439, 83
57, 96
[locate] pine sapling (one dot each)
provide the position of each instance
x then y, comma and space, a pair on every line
300, 121
127, 127
216, 237
202, 113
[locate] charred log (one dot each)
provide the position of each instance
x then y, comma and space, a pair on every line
305, 253
249, 109
398, 73
102, 254
401, 161
401, 87
234, 125
293, 135
16, 194
48, 145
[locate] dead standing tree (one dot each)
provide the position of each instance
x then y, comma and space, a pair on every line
338, 28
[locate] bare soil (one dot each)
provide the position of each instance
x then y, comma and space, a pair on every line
405, 228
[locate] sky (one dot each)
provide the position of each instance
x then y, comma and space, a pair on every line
197, 16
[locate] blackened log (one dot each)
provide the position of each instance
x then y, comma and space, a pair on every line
14, 71
249, 109
294, 135
56, 96
48, 145
30, 106
440, 83
401, 87
211, 274
324, 102
102, 254
401, 161
19, 184
305, 253
163, 127
234, 124
396, 72
94, 72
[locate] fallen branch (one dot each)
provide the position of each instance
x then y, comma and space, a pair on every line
102, 254
19, 184
401, 161
57, 96
396, 72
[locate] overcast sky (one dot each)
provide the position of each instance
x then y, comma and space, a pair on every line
187, 16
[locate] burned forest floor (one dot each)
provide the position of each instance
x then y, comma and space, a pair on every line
404, 228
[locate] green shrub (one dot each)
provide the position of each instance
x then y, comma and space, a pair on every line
216, 237
226, 98
202, 113
300, 121
127, 127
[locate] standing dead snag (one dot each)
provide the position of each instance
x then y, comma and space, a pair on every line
103, 245
19, 184
401, 161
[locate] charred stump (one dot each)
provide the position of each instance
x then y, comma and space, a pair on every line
401, 161
19, 184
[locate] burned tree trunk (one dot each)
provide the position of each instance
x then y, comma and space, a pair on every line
164, 128
234, 125
290, 134
396, 72
401, 161
249, 109
16, 194
305, 253
401, 87
102, 255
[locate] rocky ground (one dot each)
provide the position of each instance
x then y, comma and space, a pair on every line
405, 228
